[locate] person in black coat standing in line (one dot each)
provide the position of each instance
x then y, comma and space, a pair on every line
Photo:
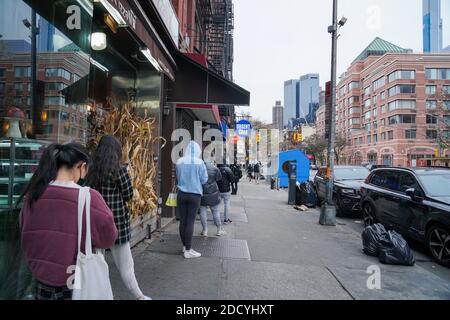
238, 175
225, 189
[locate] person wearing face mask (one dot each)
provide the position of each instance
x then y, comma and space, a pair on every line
49, 219
109, 177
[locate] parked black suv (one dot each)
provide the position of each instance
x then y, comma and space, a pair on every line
347, 183
414, 202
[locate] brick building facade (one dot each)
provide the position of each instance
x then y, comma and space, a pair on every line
393, 106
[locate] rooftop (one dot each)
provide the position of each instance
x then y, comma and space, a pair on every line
379, 47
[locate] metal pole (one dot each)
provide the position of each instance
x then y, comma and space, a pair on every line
34, 32
328, 211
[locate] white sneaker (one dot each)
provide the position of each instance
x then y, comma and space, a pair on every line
221, 232
184, 249
145, 298
191, 254
204, 233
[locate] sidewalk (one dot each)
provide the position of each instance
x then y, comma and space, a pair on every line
273, 251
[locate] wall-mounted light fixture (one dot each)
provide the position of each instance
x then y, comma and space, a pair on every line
146, 52
113, 12
98, 41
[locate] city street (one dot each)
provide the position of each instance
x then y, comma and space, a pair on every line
273, 251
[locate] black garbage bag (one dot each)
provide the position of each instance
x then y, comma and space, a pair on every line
308, 196
398, 252
374, 238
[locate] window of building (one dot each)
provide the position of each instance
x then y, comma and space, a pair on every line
375, 138
367, 115
431, 119
2, 87
367, 91
353, 121
447, 120
360, 140
76, 77
446, 89
54, 86
375, 125
353, 85
402, 89
383, 136
390, 135
383, 95
446, 104
54, 101
437, 74
431, 104
410, 134
22, 71
431, 134
17, 101
383, 122
58, 72
375, 112
383, 109
377, 84
402, 118
354, 110
430, 89
369, 139
402, 75
367, 103
402, 104
353, 99
18, 87
367, 127
2, 73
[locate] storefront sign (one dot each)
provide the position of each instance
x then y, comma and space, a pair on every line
170, 19
125, 11
243, 128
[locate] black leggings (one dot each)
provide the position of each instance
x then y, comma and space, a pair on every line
188, 206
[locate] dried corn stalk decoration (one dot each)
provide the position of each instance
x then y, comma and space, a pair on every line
136, 134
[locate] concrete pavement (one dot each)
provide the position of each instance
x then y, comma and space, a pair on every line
273, 251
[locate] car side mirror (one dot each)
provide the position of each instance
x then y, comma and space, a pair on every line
415, 195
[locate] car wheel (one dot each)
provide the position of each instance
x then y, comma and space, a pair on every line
438, 242
369, 215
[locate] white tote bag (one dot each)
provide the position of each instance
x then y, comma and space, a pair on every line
92, 272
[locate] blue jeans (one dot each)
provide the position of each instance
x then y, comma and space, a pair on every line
216, 215
226, 204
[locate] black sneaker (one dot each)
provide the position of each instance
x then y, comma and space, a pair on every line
227, 221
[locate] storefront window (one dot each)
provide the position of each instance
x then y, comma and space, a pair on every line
32, 98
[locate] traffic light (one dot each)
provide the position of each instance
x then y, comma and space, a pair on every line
298, 137
258, 137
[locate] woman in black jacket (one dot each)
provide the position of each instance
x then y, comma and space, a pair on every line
211, 199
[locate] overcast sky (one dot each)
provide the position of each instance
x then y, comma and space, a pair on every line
281, 40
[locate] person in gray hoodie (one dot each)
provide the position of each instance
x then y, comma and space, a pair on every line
211, 199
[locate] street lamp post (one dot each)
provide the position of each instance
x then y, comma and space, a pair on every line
328, 210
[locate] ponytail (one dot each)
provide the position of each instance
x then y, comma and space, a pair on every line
54, 157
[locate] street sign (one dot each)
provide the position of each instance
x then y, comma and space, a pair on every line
244, 128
